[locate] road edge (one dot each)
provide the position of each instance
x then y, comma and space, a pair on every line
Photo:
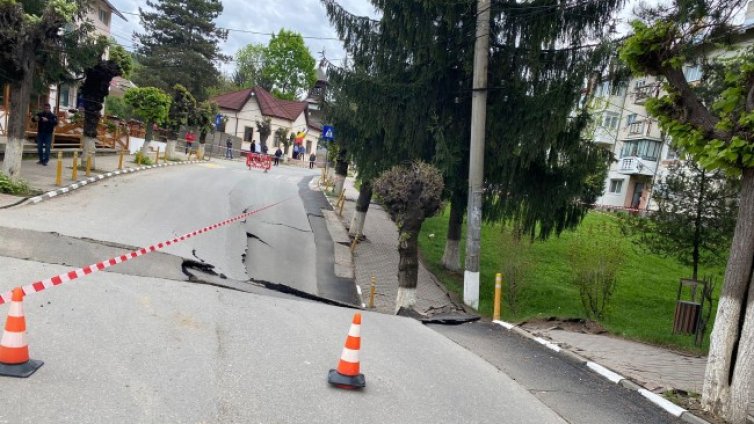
608, 374
91, 180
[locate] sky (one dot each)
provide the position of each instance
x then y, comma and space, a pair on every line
306, 17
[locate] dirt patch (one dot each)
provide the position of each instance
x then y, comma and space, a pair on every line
576, 325
692, 402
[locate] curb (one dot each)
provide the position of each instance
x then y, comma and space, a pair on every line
612, 376
81, 183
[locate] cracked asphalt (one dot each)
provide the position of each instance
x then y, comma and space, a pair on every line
144, 343
277, 245
229, 327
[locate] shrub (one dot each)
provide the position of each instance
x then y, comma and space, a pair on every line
18, 187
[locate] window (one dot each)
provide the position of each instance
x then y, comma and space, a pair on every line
631, 119
65, 94
104, 17
645, 149
616, 186
619, 90
673, 154
610, 120
692, 73
248, 133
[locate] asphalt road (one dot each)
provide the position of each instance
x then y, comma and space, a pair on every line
141, 343
276, 245
575, 393
127, 349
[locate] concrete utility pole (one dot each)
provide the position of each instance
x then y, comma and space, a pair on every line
476, 156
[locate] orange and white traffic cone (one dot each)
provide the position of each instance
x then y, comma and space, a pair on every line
14, 352
347, 375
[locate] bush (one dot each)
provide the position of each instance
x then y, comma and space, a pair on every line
142, 160
18, 187
595, 270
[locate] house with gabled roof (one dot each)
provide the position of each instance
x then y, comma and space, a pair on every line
243, 108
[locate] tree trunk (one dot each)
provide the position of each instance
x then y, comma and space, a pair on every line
200, 152
742, 386
170, 149
451, 258
19, 106
341, 171
716, 395
408, 270
147, 138
362, 206
89, 148
698, 224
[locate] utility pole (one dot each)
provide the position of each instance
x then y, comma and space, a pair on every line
476, 156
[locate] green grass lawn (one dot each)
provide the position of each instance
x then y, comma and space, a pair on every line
644, 301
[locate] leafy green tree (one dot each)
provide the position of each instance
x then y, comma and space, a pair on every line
410, 194
34, 37
179, 45
151, 105
714, 123
288, 65
182, 108
265, 129
250, 64
96, 88
116, 106
204, 119
281, 138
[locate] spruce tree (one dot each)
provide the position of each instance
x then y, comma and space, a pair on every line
407, 95
180, 45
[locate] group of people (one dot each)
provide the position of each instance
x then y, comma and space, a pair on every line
277, 155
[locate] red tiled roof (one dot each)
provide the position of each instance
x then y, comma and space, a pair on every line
269, 105
234, 100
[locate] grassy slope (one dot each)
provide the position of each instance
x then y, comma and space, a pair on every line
642, 307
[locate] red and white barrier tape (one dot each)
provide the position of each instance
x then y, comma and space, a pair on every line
57, 280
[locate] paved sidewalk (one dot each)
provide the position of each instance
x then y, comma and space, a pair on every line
378, 256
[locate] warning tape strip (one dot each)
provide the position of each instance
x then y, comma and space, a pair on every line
59, 279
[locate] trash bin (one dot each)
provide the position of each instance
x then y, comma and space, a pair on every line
686, 317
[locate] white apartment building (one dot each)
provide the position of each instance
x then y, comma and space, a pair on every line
642, 152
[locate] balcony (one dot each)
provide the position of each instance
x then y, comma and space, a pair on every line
603, 135
644, 92
636, 166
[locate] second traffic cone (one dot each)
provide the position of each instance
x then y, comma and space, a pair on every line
347, 375
14, 352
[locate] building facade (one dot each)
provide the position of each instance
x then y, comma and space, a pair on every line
641, 151
242, 110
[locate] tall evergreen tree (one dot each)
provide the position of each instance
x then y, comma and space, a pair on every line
410, 83
180, 45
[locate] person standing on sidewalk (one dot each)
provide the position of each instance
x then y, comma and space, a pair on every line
312, 159
190, 137
278, 154
46, 123
228, 148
